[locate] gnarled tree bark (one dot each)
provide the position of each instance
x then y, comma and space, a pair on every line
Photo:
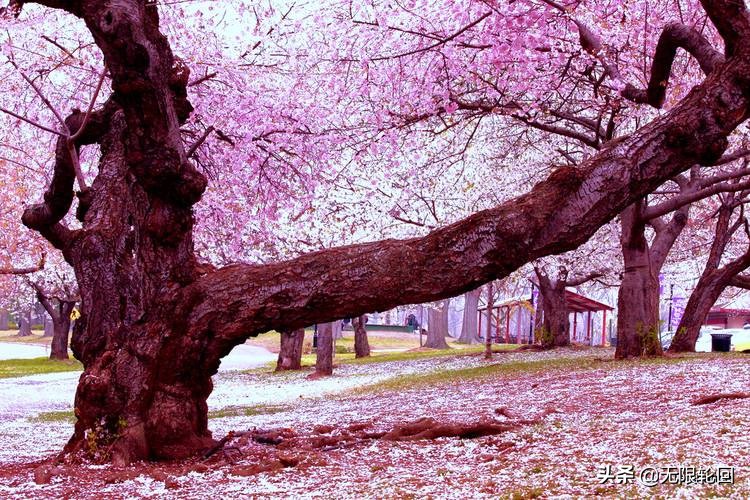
638, 297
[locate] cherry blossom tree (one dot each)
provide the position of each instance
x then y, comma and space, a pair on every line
155, 321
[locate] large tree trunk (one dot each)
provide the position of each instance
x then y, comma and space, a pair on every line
324, 356
61, 331
290, 352
437, 322
24, 323
154, 324
469, 325
556, 325
638, 297
361, 345
146, 378
556, 320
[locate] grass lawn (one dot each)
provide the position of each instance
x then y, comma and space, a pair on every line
22, 367
415, 353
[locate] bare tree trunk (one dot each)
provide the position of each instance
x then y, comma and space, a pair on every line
290, 352
556, 325
361, 345
338, 328
24, 323
638, 297
556, 320
4, 320
714, 279
61, 331
437, 321
469, 325
324, 357
488, 335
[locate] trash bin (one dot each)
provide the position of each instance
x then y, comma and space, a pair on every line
721, 342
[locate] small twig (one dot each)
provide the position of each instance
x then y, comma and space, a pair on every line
202, 79
26, 270
200, 141
90, 109
43, 98
32, 122
53, 42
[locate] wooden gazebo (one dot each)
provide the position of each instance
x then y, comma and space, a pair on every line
522, 312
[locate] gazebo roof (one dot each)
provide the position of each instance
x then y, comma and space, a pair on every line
576, 303
579, 303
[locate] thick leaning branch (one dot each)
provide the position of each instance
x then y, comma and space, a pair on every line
558, 214
730, 17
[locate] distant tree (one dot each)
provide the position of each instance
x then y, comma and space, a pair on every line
290, 352
361, 344
324, 353
469, 323
437, 325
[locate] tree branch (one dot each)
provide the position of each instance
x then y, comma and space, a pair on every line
580, 280
740, 281
25, 270
690, 196
557, 215
673, 36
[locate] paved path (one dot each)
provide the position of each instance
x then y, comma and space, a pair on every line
22, 397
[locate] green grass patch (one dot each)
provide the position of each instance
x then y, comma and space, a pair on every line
385, 357
530, 367
23, 367
247, 411
55, 416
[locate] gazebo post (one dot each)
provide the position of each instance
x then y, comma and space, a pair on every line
575, 325
518, 324
507, 324
588, 326
604, 328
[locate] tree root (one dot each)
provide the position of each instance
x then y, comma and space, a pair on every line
705, 400
429, 428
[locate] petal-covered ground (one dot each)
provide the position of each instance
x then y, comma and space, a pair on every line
566, 416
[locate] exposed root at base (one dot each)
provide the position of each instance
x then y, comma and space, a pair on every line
279, 448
